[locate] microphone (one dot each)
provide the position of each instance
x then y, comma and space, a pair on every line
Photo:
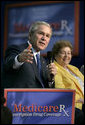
49, 57
50, 60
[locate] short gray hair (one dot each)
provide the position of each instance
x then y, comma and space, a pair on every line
35, 25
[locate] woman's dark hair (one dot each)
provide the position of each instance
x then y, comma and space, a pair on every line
59, 45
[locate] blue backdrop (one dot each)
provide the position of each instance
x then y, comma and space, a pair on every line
77, 60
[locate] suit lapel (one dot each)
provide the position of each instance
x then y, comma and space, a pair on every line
67, 74
72, 78
42, 72
36, 70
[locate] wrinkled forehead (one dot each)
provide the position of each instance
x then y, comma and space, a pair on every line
43, 27
35, 27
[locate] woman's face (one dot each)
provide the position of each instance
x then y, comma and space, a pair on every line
64, 56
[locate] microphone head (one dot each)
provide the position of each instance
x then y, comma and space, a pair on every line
50, 60
49, 57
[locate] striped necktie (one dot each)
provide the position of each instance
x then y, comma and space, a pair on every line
39, 67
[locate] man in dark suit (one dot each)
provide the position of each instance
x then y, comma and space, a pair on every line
21, 65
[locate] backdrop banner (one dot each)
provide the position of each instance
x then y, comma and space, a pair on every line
41, 106
62, 16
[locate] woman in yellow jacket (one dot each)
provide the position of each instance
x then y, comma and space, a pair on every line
68, 76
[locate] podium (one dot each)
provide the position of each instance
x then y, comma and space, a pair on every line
41, 106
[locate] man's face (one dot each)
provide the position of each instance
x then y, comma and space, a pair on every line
41, 37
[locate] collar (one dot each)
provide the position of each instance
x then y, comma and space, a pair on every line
34, 51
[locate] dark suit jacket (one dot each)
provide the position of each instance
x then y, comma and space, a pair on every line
24, 77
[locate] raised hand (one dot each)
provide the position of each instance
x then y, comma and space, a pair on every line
26, 55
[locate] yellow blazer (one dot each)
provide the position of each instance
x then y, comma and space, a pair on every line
64, 79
